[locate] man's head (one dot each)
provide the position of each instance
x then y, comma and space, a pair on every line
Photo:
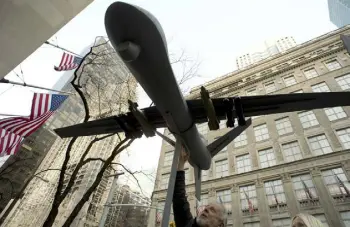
214, 215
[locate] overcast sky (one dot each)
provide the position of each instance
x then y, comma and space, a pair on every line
214, 31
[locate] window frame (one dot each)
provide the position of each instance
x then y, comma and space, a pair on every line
284, 154
263, 138
312, 120
224, 173
277, 122
250, 167
274, 160
287, 84
318, 141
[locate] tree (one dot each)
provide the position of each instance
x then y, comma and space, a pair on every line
100, 99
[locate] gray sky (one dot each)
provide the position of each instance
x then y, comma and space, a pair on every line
214, 32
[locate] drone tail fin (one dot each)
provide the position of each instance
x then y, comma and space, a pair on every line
219, 144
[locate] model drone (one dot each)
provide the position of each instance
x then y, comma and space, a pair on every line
138, 38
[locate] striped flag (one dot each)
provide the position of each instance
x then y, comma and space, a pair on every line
307, 191
43, 106
342, 185
9, 142
68, 62
250, 204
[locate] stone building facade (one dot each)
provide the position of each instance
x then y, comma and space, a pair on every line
283, 164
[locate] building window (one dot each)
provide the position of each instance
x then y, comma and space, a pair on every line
336, 182
243, 163
282, 222
224, 197
321, 87
221, 168
251, 92
322, 218
333, 65
345, 217
267, 158
304, 187
289, 80
291, 151
251, 224
249, 202
203, 128
284, 126
308, 119
320, 145
168, 158
335, 113
261, 132
164, 180
270, 87
240, 140
274, 192
205, 175
310, 73
344, 137
343, 81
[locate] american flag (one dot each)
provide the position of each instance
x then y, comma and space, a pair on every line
250, 204
43, 106
9, 142
68, 62
306, 189
342, 185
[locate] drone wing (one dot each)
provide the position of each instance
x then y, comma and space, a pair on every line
251, 105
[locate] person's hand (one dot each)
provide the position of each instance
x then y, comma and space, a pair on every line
182, 160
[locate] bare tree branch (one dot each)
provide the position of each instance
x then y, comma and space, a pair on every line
97, 181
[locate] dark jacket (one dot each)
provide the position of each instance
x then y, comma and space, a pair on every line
181, 207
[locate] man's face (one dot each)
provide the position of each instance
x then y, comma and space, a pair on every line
211, 216
298, 222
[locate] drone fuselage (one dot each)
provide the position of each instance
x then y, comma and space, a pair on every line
139, 39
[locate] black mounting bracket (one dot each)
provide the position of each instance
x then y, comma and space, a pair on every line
239, 111
146, 127
229, 112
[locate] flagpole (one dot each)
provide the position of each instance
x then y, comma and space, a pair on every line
5, 81
64, 49
10, 115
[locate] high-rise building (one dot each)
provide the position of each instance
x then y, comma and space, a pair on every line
270, 48
283, 164
120, 216
339, 12
105, 80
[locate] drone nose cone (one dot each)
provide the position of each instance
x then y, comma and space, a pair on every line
129, 26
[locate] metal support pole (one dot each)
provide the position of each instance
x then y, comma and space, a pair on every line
5, 81
171, 184
64, 49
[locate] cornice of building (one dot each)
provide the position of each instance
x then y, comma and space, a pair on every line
280, 63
